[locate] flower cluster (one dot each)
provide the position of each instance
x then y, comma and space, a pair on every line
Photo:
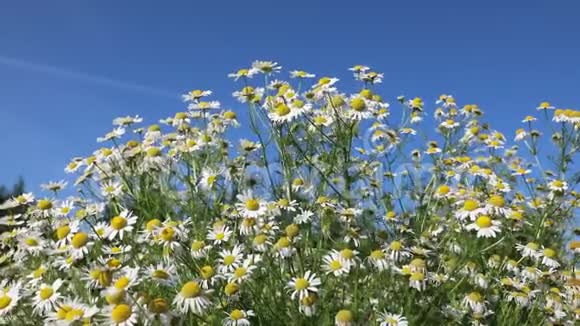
343, 210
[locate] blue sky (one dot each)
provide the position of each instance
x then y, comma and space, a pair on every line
67, 68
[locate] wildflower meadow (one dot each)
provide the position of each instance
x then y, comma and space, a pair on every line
334, 208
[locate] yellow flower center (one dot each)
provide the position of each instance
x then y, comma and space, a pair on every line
301, 284
260, 239
38, 272
207, 272
252, 204
358, 104
116, 297
190, 289
237, 314
5, 301
180, 116
283, 243
337, 101
220, 236
292, 230
229, 259
497, 201
153, 152
417, 276
282, 110
32, 242
298, 103
45, 293
229, 115
240, 272
121, 313
470, 205
366, 93
443, 190
158, 306
122, 282
62, 232
347, 253
118, 222
335, 265
44, 204
80, 239
483, 221
197, 245
159, 273
231, 288
74, 314
377, 254
396, 245
475, 297
167, 234
344, 316
550, 253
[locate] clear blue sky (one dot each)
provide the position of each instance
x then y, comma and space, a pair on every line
67, 68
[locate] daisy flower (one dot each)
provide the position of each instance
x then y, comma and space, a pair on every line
250, 205
301, 74
475, 302
531, 249
199, 249
243, 272
9, 297
220, 234
161, 273
80, 244
378, 259
548, 256
301, 287
545, 106
558, 185
389, 319
121, 224
335, 264
46, 297
192, 298
238, 317
121, 314
485, 226
344, 318
417, 280
71, 311
195, 95
470, 209
230, 259
266, 67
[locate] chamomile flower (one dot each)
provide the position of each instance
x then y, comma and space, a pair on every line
335, 264
46, 297
250, 205
122, 314
475, 302
230, 259
485, 226
389, 319
302, 287
238, 317
219, 235
548, 256
192, 298
121, 224
9, 297
558, 185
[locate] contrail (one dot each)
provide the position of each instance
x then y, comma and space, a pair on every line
105, 81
